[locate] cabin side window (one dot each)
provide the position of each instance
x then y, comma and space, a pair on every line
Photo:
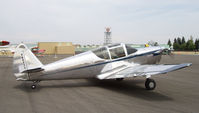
130, 50
117, 52
102, 53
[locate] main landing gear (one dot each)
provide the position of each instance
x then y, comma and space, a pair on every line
150, 84
33, 86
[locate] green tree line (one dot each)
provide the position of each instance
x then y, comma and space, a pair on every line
180, 44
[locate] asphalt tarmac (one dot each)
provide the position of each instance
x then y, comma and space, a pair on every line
176, 92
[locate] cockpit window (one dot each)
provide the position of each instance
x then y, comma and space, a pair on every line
130, 50
117, 52
102, 53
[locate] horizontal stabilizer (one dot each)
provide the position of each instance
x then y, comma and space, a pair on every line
33, 70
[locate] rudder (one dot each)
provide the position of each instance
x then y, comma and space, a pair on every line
23, 61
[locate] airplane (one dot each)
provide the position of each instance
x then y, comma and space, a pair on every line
115, 61
3, 43
5, 47
37, 51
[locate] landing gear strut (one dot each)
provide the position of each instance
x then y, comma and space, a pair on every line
150, 84
33, 86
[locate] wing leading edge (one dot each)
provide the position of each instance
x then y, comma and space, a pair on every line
143, 70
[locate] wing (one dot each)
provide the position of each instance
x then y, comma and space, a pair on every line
141, 70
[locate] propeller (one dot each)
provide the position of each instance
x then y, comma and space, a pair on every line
168, 52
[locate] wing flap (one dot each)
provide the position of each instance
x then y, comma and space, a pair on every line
110, 73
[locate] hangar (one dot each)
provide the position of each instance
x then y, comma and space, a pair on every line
57, 47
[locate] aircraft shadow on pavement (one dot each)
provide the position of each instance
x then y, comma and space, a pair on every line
26, 86
127, 87
130, 88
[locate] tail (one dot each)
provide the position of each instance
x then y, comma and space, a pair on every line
24, 62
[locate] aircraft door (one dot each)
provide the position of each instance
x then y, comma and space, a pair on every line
116, 53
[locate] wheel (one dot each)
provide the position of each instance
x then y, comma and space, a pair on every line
119, 79
150, 84
33, 86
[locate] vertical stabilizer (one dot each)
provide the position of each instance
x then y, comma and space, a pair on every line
23, 61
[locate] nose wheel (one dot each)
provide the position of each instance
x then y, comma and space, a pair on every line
33, 86
150, 84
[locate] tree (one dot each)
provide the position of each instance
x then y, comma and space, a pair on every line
179, 41
183, 47
175, 44
183, 40
197, 44
169, 43
175, 41
190, 45
180, 44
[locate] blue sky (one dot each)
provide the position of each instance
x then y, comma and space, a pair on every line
83, 21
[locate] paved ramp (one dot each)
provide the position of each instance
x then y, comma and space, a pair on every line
175, 92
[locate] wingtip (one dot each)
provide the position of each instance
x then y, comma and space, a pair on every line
189, 64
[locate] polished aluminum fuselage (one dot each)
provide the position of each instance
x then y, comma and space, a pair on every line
88, 65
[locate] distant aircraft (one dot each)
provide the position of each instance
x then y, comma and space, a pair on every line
3, 43
116, 61
37, 51
5, 47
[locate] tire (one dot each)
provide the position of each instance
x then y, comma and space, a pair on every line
150, 84
33, 86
